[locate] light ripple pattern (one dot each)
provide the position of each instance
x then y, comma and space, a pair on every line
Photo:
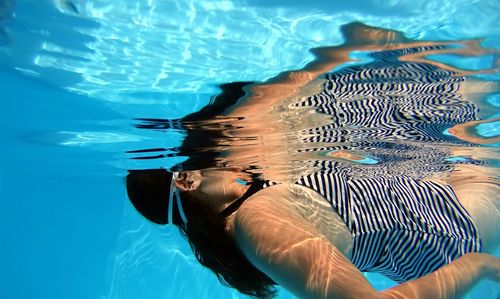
190, 46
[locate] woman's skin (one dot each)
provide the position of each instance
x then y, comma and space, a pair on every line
219, 188
288, 231
278, 237
478, 191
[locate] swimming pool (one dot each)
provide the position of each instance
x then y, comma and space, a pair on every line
74, 75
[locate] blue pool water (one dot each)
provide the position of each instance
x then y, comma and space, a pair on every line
75, 73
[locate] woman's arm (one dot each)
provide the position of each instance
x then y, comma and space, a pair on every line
278, 241
451, 281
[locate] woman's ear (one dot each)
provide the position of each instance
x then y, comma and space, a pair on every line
188, 180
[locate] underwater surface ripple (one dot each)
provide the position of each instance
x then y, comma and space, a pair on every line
164, 59
116, 50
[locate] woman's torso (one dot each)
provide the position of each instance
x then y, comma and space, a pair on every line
400, 227
389, 217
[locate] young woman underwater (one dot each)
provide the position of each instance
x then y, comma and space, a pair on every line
368, 168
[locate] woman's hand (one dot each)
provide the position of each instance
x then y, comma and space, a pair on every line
490, 265
450, 281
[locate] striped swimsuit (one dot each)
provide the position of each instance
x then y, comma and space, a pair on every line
403, 226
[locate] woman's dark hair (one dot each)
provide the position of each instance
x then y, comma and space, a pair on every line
206, 233
216, 250
203, 142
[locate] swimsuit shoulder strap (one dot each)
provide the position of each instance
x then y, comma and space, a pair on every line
254, 188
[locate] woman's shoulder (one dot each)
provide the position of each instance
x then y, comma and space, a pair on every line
261, 214
289, 195
269, 198
300, 207
289, 198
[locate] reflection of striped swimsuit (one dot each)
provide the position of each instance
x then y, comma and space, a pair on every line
396, 101
403, 227
395, 112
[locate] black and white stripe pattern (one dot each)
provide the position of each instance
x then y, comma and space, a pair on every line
389, 101
386, 97
402, 227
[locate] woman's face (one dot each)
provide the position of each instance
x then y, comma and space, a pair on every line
217, 183
216, 187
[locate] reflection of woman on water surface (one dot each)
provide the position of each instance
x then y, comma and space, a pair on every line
308, 179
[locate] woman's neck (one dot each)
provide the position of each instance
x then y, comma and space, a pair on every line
234, 192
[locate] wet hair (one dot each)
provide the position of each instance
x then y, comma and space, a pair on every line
202, 142
216, 250
213, 247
